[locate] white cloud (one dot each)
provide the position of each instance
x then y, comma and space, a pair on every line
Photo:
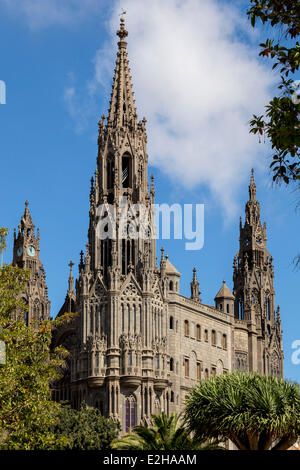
43, 13
197, 78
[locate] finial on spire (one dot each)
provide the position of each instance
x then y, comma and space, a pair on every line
71, 264
195, 292
26, 204
71, 279
122, 33
252, 186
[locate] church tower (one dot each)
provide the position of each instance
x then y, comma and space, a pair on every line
254, 293
120, 364
137, 346
26, 255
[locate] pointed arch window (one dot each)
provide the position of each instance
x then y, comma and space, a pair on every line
36, 311
198, 332
130, 406
241, 308
267, 306
110, 167
171, 364
130, 358
186, 328
171, 323
126, 171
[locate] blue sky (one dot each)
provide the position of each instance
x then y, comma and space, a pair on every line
197, 79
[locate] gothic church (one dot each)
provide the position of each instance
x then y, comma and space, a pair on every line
137, 345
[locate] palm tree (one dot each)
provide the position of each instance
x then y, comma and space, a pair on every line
165, 434
255, 412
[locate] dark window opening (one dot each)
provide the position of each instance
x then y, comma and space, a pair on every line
126, 171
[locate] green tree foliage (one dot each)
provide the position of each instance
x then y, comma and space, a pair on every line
86, 429
255, 412
26, 409
280, 124
165, 434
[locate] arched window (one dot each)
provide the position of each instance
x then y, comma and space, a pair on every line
213, 371
157, 361
171, 364
241, 308
171, 285
227, 308
130, 358
123, 318
198, 332
126, 171
186, 328
26, 318
206, 336
224, 342
171, 323
198, 370
221, 306
130, 405
36, 311
172, 397
186, 367
206, 374
110, 172
213, 337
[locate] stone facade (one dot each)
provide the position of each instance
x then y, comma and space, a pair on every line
137, 345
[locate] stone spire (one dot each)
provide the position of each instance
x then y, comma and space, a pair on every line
71, 279
122, 111
69, 305
195, 292
252, 209
252, 187
26, 221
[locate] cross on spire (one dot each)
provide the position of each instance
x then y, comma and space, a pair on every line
71, 264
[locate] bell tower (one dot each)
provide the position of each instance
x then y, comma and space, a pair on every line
122, 354
120, 181
254, 292
26, 255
